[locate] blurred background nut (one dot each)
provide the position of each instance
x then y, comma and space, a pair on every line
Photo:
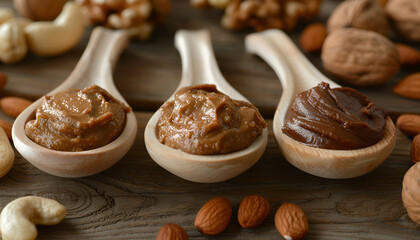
360, 57
411, 192
405, 17
13, 47
363, 14
39, 10
6, 14
409, 56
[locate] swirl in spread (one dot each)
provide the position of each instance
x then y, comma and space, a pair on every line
339, 118
77, 120
202, 120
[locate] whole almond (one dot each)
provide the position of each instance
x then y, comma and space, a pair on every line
214, 217
3, 80
409, 124
172, 231
408, 56
313, 37
409, 87
291, 221
252, 211
13, 106
7, 127
415, 149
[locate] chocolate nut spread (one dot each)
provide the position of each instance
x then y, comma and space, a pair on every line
339, 118
202, 120
77, 120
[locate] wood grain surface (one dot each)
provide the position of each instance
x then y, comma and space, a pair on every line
134, 198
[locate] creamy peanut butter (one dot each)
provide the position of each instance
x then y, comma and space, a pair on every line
339, 118
202, 120
77, 120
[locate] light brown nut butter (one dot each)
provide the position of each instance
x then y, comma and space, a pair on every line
405, 16
77, 120
360, 57
411, 192
339, 118
202, 120
363, 14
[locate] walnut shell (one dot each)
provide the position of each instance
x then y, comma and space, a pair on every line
363, 14
360, 57
405, 16
411, 192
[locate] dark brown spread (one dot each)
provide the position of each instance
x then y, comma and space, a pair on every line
202, 120
77, 120
339, 118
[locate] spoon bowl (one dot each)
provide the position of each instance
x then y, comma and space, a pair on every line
94, 67
296, 75
199, 67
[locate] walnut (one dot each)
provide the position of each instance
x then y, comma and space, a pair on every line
363, 14
405, 16
139, 17
360, 57
262, 14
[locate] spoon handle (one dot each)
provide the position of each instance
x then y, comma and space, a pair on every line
199, 64
98, 61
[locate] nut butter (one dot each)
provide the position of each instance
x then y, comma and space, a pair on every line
77, 120
202, 120
339, 118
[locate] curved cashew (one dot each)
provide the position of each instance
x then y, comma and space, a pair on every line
6, 14
22, 22
18, 218
7, 155
13, 46
58, 36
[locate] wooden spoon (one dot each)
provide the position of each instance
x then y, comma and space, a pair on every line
296, 75
199, 67
94, 67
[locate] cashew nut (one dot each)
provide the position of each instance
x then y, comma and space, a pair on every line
13, 46
58, 36
18, 218
7, 155
6, 14
22, 22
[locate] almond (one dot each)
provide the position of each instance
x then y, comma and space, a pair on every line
172, 231
409, 124
291, 221
409, 87
3, 80
13, 106
214, 217
313, 37
382, 2
415, 149
7, 127
408, 55
253, 210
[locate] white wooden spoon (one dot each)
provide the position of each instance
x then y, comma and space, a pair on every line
199, 67
94, 67
296, 75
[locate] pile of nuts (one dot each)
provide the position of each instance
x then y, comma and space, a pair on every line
139, 17
262, 14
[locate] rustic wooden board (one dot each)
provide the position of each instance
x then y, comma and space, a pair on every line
133, 199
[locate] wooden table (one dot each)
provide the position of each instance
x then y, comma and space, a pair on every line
133, 199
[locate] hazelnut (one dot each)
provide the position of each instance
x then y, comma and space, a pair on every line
405, 16
411, 192
360, 57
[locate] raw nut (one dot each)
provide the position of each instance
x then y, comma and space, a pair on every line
13, 106
313, 37
172, 231
39, 10
415, 149
3, 80
6, 14
221, 4
252, 211
409, 87
405, 16
291, 221
362, 14
7, 155
409, 124
411, 192
408, 56
13, 47
214, 217
382, 2
360, 57
7, 127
